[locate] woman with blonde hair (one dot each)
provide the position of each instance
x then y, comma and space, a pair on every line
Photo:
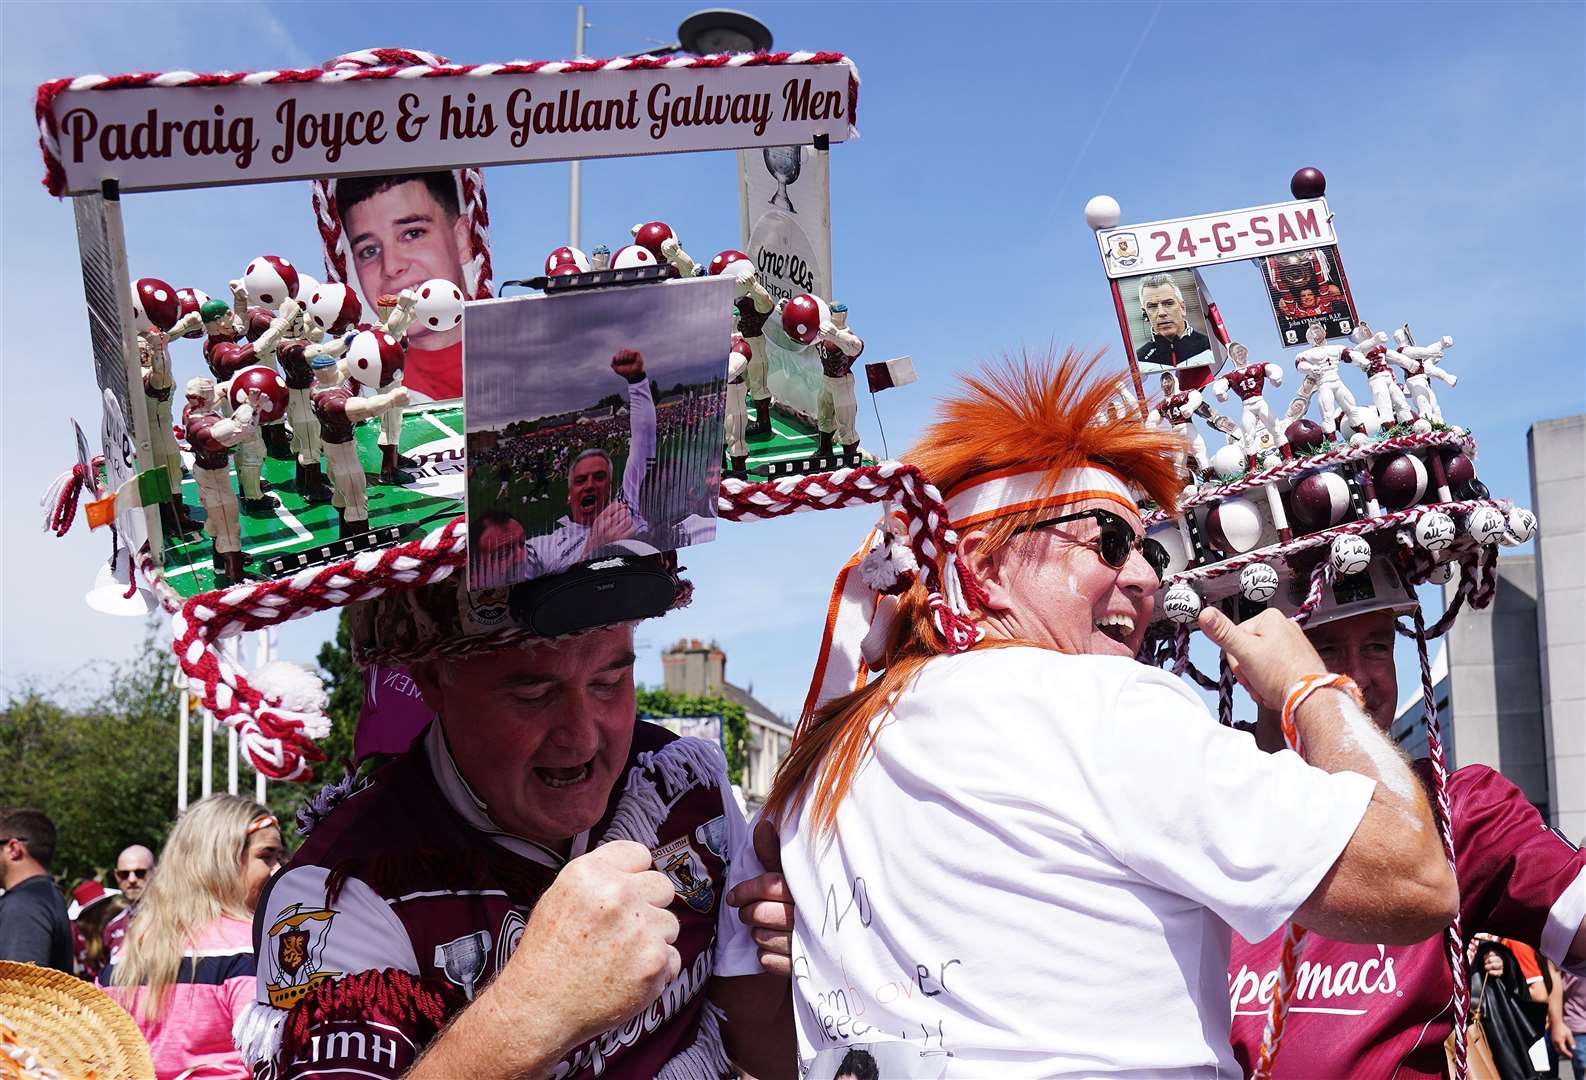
187, 969
1025, 859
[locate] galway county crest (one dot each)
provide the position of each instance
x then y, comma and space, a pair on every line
681, 863
296, 945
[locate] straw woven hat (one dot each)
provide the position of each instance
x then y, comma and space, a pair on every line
55, 1025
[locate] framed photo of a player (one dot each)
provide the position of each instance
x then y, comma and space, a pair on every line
1171, 327
594, 424
1308, 288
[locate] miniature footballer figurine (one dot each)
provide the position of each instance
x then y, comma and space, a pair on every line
1247, 381
1321, 361
1422, 364
157, 316
838, 347
1372, 354
738, 406
211, 437
396, 314
1177, 410
752, 308
663, 243
228, 354
339, 409
600, 257
297, 355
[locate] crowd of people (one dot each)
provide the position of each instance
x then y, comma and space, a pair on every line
974, 862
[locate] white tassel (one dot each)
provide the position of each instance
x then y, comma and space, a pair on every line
681, 764
257, 1033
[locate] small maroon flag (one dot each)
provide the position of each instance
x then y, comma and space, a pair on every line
885, 374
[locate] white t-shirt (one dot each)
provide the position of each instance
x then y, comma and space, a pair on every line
1036, 872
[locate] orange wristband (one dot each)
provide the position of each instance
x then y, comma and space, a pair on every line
1303, 688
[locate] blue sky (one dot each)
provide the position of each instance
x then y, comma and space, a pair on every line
1450, 135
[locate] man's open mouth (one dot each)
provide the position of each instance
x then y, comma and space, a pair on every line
565, 776
1116, 627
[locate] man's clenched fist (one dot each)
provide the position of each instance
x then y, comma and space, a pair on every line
629, 364
598, 947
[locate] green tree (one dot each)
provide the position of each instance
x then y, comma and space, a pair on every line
657, 704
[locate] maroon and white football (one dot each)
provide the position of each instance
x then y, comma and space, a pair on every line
1234, 525
270, 280
1400, 480
190, 300
1320, 500
1305, 435
440, 305
271, 387
566, 256
1459, 470
724, 259
154, 303
374, 358
802, 317
631, 257
650, 236
334, 307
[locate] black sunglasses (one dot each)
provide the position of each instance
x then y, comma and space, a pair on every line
1116, 540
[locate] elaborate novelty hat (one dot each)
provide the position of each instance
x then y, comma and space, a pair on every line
1340, 505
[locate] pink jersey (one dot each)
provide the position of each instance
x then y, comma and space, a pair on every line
214, 984
1384, 1010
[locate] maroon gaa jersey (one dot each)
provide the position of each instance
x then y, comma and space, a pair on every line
834, 362
406, 900
1248, 381
330, 406
1384, 1010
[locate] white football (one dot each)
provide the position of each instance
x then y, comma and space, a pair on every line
1229, 461
1521, 526
1181, 603
1434, 530
1350, 554
440, 305
1441, 573
1485, 524
1258, 582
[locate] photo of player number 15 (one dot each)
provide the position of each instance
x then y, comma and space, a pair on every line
594, 424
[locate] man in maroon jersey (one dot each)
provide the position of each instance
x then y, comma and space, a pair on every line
535, 888
1384, 1010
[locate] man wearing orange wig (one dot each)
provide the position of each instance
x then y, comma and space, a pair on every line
1025, 859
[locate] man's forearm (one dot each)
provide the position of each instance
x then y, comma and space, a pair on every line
490, 1039
1338, 737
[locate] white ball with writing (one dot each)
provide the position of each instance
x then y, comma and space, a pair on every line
1181, 603
440, 305
1486, 524
1521, 526
1434, 530
1440, 574
1350, 554
1258, 582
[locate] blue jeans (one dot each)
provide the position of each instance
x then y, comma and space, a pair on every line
1578, 1058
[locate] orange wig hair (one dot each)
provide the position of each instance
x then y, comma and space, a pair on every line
1044, 414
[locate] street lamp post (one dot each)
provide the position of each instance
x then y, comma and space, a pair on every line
713, 30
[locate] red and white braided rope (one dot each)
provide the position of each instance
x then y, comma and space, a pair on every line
280, 742
1454, 935
50, 136
1288, 470
954, 593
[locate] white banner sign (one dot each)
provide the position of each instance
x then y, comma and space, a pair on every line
786, 200
1234, 236
182, 134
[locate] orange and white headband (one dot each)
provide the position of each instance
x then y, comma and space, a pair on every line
262, 822
858, 620
988, 496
